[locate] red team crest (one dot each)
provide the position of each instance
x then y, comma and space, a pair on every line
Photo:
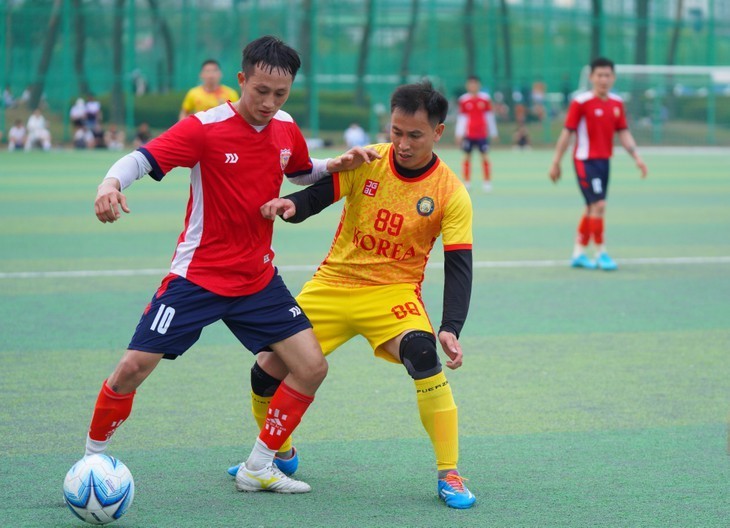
371, 187
284, 156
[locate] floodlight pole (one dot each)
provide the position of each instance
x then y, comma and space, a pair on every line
6, 60
711, 114
312, 77
67, 66
130, 66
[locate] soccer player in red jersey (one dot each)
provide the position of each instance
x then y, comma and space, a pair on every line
222, 269
475, 124
594, 117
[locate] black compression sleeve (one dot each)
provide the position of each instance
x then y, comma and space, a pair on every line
457, 289
313, 199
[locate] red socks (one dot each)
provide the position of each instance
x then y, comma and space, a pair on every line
597, 230
584, 231
285, 412
467, 170
487, 170
110, 411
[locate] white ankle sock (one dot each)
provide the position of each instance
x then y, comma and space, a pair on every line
95, 447
578, 250
260, 457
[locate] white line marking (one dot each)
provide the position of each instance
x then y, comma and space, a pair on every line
663, 261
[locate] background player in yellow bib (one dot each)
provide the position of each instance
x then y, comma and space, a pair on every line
370, 282
210, 93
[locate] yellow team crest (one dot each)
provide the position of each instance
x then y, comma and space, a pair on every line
616, 111
284, 156
425, 206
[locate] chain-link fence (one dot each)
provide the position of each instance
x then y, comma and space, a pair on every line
139, 56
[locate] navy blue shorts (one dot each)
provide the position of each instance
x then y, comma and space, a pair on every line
468, 144
179, 310
592, 179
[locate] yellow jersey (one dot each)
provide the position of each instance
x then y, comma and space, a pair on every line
389, 222
198, 99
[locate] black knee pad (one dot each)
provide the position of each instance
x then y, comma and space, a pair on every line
263, 384
418, 354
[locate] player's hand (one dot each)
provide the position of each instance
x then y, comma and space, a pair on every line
109, 199
278, 207
642, 167
452, 348
458, 141
352, 159
555, 172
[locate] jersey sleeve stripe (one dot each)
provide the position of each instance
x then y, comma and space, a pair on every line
336, 185
156, 173
457, 247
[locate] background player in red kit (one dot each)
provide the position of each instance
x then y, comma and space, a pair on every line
238, 154
594, 117
475, 124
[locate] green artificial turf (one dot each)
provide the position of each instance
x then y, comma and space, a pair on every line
586, 398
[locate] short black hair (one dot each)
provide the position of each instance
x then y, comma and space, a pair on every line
210, 61
270, 53
602, 62
410, 98
474, 78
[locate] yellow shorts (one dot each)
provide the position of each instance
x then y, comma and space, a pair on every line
378, 313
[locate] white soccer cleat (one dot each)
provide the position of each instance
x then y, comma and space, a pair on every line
269, 478
487, 186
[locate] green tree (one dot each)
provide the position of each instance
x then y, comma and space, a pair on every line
362, 57
596, 28
410, 37
54, 21
469, 46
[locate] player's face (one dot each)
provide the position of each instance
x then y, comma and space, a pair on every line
263, 93
211, 76
602, 79
413, 138
472, 86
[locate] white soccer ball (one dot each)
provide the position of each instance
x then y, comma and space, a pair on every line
98, 489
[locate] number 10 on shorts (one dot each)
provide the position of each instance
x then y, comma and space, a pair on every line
163, 319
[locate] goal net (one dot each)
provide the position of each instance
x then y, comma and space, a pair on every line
674, 105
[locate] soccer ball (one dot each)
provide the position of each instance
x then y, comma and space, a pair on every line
98, 489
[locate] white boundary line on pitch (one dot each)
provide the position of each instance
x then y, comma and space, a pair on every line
436, 265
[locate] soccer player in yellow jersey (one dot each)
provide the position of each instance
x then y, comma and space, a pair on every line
370, 282
210, 93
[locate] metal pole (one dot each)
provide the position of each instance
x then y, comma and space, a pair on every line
255, 21
546, 60
312, 80
67, 66
129, 66
4, 9
711, 114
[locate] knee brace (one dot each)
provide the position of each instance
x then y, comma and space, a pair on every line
418, 354
263, 384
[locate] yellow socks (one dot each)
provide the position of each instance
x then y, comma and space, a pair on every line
440, 418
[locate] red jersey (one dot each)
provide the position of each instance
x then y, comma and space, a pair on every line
225, 246
475, 120
595, 121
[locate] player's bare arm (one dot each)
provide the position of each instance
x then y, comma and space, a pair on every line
560, 148
109, 199
352, 159
278, 207
452, 348
628, 142
122, 174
